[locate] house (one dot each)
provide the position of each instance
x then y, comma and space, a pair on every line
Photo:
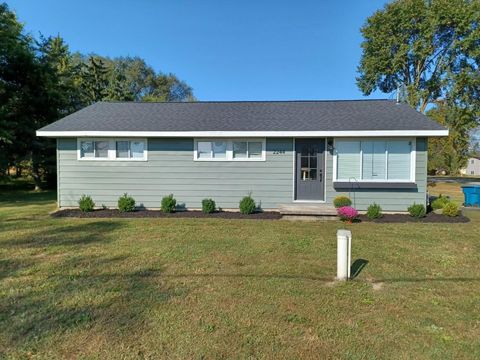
280, 152
472, 168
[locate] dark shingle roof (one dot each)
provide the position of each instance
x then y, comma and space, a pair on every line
246, 116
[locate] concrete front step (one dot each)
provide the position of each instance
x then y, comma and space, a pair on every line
307, 209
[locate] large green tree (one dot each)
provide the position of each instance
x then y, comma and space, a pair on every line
42, 81
431, 50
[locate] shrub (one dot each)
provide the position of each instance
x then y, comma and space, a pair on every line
341, 201
208, 206
450, 209
86, 203
247, 205
126, 203
374, 211
347, 213
168, 204
439, 202
417, 210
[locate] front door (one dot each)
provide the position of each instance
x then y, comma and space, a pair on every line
310, 169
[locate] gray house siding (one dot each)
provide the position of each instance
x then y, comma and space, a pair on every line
388, 199
171, 169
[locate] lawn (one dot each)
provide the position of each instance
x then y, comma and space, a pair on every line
212, 288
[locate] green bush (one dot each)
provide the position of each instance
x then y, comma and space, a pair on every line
126, 203
439, 202
374, 211
341, 201
168, 204
450, 209
208, 206
247, 205
417, 210
86, 203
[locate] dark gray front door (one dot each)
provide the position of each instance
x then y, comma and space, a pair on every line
310, 169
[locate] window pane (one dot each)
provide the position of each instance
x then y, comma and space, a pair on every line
399, 159
101, 149
122, 149
204, 149
86, 149
348, 160
136, 149
374, 160
219, 149
254, 149
304, 162
240, 149
313, 174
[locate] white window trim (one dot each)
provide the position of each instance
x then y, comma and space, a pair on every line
229, 154
413, 158
112, 149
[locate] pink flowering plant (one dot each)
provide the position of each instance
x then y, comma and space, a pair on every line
347, 213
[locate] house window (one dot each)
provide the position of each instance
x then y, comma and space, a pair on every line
112, 149
130, 149
94, 149
374, 160
229, 150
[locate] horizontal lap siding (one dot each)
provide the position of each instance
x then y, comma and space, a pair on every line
388, 199
170, 169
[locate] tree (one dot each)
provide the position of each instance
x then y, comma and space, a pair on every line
431, 51
450, 154
430, 47
41, 81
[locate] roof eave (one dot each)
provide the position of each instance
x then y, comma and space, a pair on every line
170, 134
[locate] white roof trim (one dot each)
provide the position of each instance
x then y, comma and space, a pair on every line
361, 133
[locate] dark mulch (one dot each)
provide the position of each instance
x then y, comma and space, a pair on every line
404, 218
113, 213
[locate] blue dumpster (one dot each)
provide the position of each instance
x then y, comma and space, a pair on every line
472, 195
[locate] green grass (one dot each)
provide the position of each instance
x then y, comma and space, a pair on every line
193, 288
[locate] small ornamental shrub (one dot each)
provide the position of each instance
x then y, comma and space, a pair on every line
126, 203
374, 211
417, 210
247, 205
450, 209
168, 204
86, 203
347, 213
440, 202
208, 206
341, 201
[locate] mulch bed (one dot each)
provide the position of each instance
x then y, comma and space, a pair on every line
113, 213
405, 218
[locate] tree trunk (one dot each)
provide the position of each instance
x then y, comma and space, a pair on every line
37, 178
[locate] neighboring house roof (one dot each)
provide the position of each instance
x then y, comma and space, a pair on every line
282, 118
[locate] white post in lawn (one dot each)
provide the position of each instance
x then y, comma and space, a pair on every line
344, 254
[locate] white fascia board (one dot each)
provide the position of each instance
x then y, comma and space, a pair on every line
200, 134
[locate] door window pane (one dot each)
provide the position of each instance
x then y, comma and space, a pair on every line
86, 149
204, 149
101, 149
122, 149
240, 149
219, 149
137, 149
254, 149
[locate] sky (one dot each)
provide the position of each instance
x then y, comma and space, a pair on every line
224, 49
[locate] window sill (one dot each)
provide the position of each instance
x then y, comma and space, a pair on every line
113, 160
374, 185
